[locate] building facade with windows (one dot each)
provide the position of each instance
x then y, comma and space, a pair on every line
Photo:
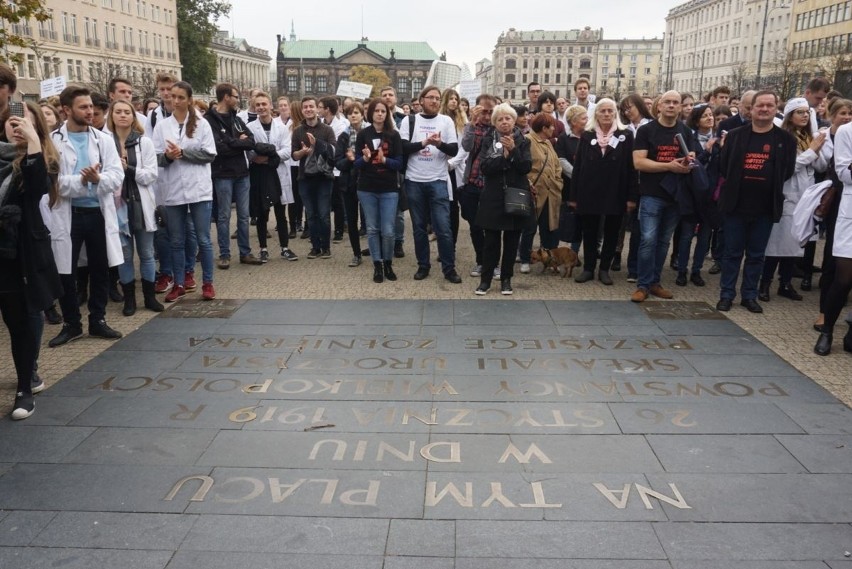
725, 42
821, 40
555, 59
628, 66
92, 41
239, 63
317, 67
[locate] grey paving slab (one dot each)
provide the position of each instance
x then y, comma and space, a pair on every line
183, 325
699, 327
741, 365
419, 563
727, 542
529, 496
34, 443
265, 534
820, 453
542, 389
20, 528
105, 530
637, 330
149, 362
228, 327
490, 343
600, 365
369, 329
571, 540
97, 383
77, 558
116, 445
807, 498
186, 412
283, 312
583, 330
701, 418
54, 411
314, 493
230, 362
499, 563
224, 560
544, 453
467, 330
745, 389
425, 538
319, 450
316, 386
596, 313
376, 313
736, 344
820, 419
4, 468
144, 340
501, 313
839, 564
723, 453
92, 488
740, 564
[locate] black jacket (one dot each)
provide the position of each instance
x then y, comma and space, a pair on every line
34, 262
602, 184
231, 150
499, 171
731, 167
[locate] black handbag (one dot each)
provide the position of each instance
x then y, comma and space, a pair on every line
131, 196
518, 201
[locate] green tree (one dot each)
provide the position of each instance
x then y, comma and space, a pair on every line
371, 76
196, 28
13, 15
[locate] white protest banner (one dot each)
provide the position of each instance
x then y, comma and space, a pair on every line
470, 90
52, 86
354, 90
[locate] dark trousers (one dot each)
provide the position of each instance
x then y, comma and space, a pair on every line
337, 207
468, 200
350, 205
491, 253
591, 228
23, 337
688, 226
749, 235
829, 264
316, 196
785, 267
87, 226
295, 209
549, 239
280, 226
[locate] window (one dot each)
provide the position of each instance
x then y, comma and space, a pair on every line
322, 84
309, 84
31, 66
416, 85
292, 83
510, 78
558, 80
510, 64
402, 85
526, 63
70, 69
536, 49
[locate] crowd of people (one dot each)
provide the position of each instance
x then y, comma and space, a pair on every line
87, 180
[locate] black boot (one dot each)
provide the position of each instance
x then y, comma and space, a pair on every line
378, 272
129, 291
763, 290
389, 274
787, 291
847, 340
823, 345
114, 294
150, 297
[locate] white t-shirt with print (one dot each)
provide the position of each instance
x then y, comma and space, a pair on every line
428, 164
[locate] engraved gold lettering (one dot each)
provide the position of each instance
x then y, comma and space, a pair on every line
433, 497
411, 414
370, 495
200, 494
498, 496
524, 458
677, 501
504, 387
474, 344
728, 388
230, 384
454, 447
256, 490
275, 489
330, 489
258, 387
589, 416
244, 415
385, 447
778, 392
456, 421
339, 452
538, 498
165, 383
187, 414
621, 501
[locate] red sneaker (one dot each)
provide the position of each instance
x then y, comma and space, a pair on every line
189, 281
176, 292
164, 283
207, 292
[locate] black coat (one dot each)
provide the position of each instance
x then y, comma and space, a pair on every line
602, 184
499, 171
36, 265
566, 147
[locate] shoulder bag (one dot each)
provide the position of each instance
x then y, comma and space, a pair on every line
518, 201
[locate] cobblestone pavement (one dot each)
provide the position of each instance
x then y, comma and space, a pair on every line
785, 327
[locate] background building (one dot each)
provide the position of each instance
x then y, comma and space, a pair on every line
718, 42
238, 63
316, 67
821, 41
628, 66
92, 41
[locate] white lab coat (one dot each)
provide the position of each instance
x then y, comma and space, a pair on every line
146, 179
182, 182
279, 135
803, 216
842, 161
101, 147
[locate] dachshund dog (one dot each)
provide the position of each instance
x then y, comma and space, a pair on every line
556, 260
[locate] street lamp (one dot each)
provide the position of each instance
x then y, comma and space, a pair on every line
766, 12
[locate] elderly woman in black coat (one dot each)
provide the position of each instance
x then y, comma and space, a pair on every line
602, 188
505, 161
29, 281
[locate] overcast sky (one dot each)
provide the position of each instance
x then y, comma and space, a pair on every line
467, 31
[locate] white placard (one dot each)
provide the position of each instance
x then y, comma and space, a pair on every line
470, 90
52, 86
354, 90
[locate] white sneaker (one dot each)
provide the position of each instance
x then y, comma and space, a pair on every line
476, 271
496, 272
525, 268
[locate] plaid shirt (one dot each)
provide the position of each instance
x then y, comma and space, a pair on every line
474, 174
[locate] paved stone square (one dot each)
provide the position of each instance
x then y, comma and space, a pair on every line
421, 433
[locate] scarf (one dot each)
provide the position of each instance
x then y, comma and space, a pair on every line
603, 137
8, 153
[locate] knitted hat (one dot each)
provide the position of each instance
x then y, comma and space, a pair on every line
794, 104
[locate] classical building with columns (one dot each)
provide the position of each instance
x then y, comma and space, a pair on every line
239, 63
316, 67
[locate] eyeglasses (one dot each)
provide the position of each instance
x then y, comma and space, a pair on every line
802, 112
432, 98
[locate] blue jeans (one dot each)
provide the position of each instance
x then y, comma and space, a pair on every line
237, 189
702, 245
749, 234
380, 216
548, 239
316, 197
163, 244
657, 221
145, 249
431, 200
399, 227
176, 216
